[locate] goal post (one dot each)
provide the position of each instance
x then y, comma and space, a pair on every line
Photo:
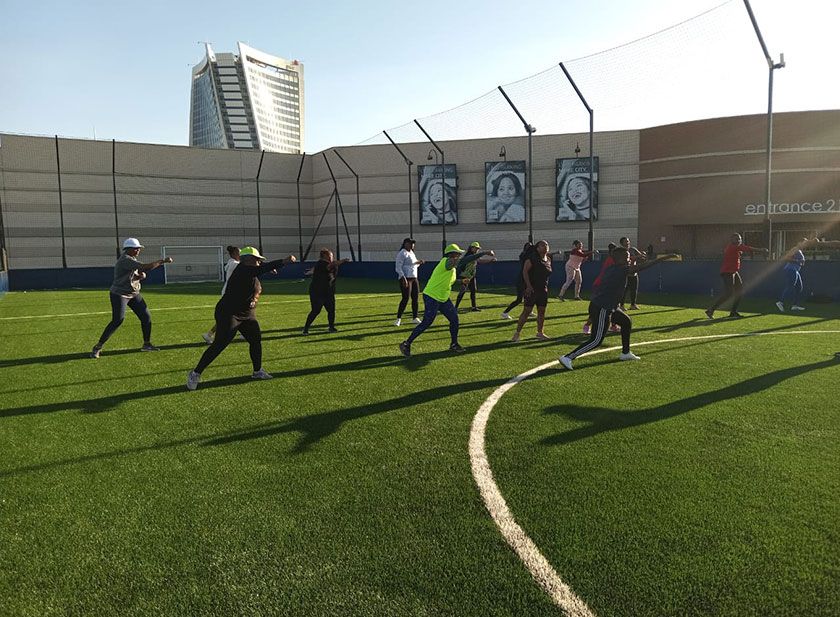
193, 264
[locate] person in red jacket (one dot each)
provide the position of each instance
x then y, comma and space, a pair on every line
729, 273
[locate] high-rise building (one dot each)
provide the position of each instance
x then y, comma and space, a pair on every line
248, 101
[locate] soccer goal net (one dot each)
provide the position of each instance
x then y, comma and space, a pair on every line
193, 264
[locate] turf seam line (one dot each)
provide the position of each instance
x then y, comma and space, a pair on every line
541, 570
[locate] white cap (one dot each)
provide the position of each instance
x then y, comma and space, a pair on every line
132, 243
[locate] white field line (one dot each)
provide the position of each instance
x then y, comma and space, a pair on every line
539, 567
173, 308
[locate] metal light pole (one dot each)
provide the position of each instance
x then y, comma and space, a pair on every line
409, 163
358, 208
259, 210
591, 156
442, 179
530, 130
771, 66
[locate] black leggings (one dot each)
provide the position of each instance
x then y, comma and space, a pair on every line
520, 295
732, 288
472, 287
632, 287
226, 327
318, 301
137, 304
600, 318
410, 289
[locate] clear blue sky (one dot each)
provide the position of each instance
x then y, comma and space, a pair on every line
124, 67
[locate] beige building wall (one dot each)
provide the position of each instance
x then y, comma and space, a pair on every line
179, 196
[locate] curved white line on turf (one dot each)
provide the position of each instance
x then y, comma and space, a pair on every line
539, 567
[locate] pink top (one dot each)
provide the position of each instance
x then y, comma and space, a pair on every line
576, 257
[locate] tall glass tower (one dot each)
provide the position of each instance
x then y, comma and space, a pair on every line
251, 101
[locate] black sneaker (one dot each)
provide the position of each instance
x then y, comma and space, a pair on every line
149, 347
710, 314
456, 348
305, 332
735, 315
332, 329
405, 349
475, 309
94, 353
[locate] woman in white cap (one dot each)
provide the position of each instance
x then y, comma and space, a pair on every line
236, 312
125, 292
436, 296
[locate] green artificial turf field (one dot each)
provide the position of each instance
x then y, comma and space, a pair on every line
702, 480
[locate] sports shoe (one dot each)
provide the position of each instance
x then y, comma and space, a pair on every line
566, 361
781, 306
628, 356
149, 347
506, 316
405, 349
735, 315
587, 328
561, 298
578, 298
208, 338
542, 337
710, 313
456, 348
796, 307
515, 337
94, 353
332, 329
398, 321
261, 374
192, 380
634, 307
475, 309
615, 328
416, 320
305, 332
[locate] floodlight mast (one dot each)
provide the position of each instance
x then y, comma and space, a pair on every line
771, 66
442, 180
591, 238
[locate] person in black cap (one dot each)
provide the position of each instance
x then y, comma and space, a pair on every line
236, 311
125, 292
406, 265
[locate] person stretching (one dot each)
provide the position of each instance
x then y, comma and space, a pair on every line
466, 271
536, 273
406, 265
524, 256
729, 273
587, 327
632, 279
125, 292
576, 257
235, 311
794, 260
604, 306
233, 252
322, 289
436, 296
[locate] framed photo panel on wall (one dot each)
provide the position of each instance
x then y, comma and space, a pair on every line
575, 199
504, 199
437, 189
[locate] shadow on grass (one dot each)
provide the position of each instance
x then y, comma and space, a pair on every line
59, 358
600, 420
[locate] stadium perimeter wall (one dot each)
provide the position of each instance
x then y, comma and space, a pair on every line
682, 187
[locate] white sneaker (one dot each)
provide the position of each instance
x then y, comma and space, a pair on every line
796, 307
192, 380
781, 306
628, 356
416, 320
515, 337
506, 316
541, 337
398, 321
208, 338
566, 362
261, 374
